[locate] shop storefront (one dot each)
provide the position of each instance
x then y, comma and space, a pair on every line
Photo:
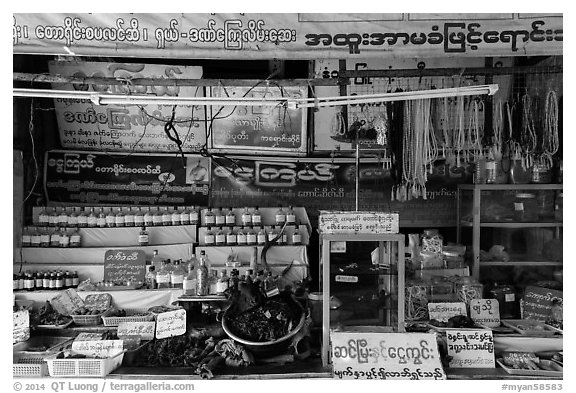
274, 196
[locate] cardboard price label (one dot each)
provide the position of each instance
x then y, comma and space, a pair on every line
444, 311
485, 312
171, 323
471, 348
100, 349
145, 330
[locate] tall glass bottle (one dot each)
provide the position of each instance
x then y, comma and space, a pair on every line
166, 216
44, 217
246, 217
177, 276
26, 238
119, 219
175, 217
194, 215
111, 218
290, 216
189, 283
91, 218
256, 217
82, 219
163, 276
230, 218
280, 217
73, 218
156, 260
202, 276
101, 219
148, 218
129, 217
209, 218
219, 218
63, 218
138, 217
185, 216
157, 218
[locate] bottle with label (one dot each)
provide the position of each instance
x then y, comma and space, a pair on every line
119, 219
209, 218
129, 218
35, 237
73, 217
219, 218
148, 218
212, 282
261, 237
101, 219
280, 217
290, 216
490, 173
177, 276
222, 284
39, 281
138, 217
296, 237
254, 259
63, 218
52, 285
29, 282
230, 217
166, 216
15, 278
59, 281
231, 238
157, 218
284, 238
156, 260
64, 238
250, 236
163, 276
272, 234
26, 238
68, 280
151, 278
53, 219
91, 218
21, 277
110, 218
241, 237
75, 239
46, 281
234, 279
192, 264
143, 238
194, 216
185, 216
82, 219
220, 237
44, 238
202, 276
256, 217
75, 279
175, 217
44, 217
209, 237
248, 276
189, 283
246, 218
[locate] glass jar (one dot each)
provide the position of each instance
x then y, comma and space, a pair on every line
441, 290
525, 207
468, 289
558, 207
506, 300
453, 260
417, 294
432, 241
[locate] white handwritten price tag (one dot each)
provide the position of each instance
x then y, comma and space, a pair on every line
444, 311
485, 312
98, 349
385, 356
171, 323
143, 329
471, 348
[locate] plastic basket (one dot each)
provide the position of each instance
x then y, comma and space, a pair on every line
27, 364
115, 321
89, 320
86, 367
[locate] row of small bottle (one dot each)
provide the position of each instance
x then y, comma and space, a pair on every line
110, 217
50, 237
40, 281
215, 216
230, 236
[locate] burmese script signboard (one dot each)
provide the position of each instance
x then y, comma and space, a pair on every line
470, 348
358, 222
121, 266
537, 303
394, 356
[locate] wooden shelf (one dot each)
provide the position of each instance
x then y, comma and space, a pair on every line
208, 298
519, 263
555, 224
471, 187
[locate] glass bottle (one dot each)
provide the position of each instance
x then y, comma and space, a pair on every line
29, 281
248, 276
209, 218
202, 276
110, 218
148, 218
246, 217
151, 278
296, 237
280, 217
129, 218
185, 216
44, 238
261, 237
101, 219
75, 279
63, 218
233, 282
189, 283
284, 237
194, 216
138, 217
230, 217
209, 237
46, 281
53, 219
64, 238
163, 276
240, 237
175, 217
26, 238
559, 207
212, 282
220, 237
222, 284
75, 238
39, 281
290, 216
219, 218
231, 238
91, 219
82, 219
272, 234
73, 218
68, 280
44, 217
156, 260
35, 237
143, 238
169, 265
59, 283
119, 219
177, 276
490, 169
256, 217
166, 217
192, 263
157, 218
250, 236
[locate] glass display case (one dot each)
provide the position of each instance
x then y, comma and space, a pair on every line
362, 282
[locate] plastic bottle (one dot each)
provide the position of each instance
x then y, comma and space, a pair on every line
256, 217
110, 218
296, 237
163, 276
64, 238
209, 218
148, 218
44, 238
119, 219
202, 276
230, 217
75, 239
138, 218
261, 237
44, 217
241, 237
280, 217
185, 216
63, 218
129, 218
151, 278
246, 217
101, 219
231, 238
175, 217
26, 238
143, 237
219, 218
209, 237
82, 219
157, 218
35, 237
222, 284
73, 218
91, 218
220, 237
194, 216
166, 216
290, 216
177, 276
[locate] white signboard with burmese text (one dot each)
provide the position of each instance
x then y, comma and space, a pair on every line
358, 222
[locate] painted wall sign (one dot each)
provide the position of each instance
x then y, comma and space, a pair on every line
288, 35
255, 129
128, 128
393, 356
471, 348
91, 178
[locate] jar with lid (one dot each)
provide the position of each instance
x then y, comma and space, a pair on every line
559, 207
525, 207
468, 289
441, 290
417, 294
453, 260
506, 297
432, 241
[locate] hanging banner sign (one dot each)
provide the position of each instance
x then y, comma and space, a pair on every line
326, 184
393, 356
288, 35
83, 125
258, 129
82, 178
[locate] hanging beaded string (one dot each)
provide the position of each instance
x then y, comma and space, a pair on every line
528, 137
460, 143
498, 127
474, 136
550, 137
